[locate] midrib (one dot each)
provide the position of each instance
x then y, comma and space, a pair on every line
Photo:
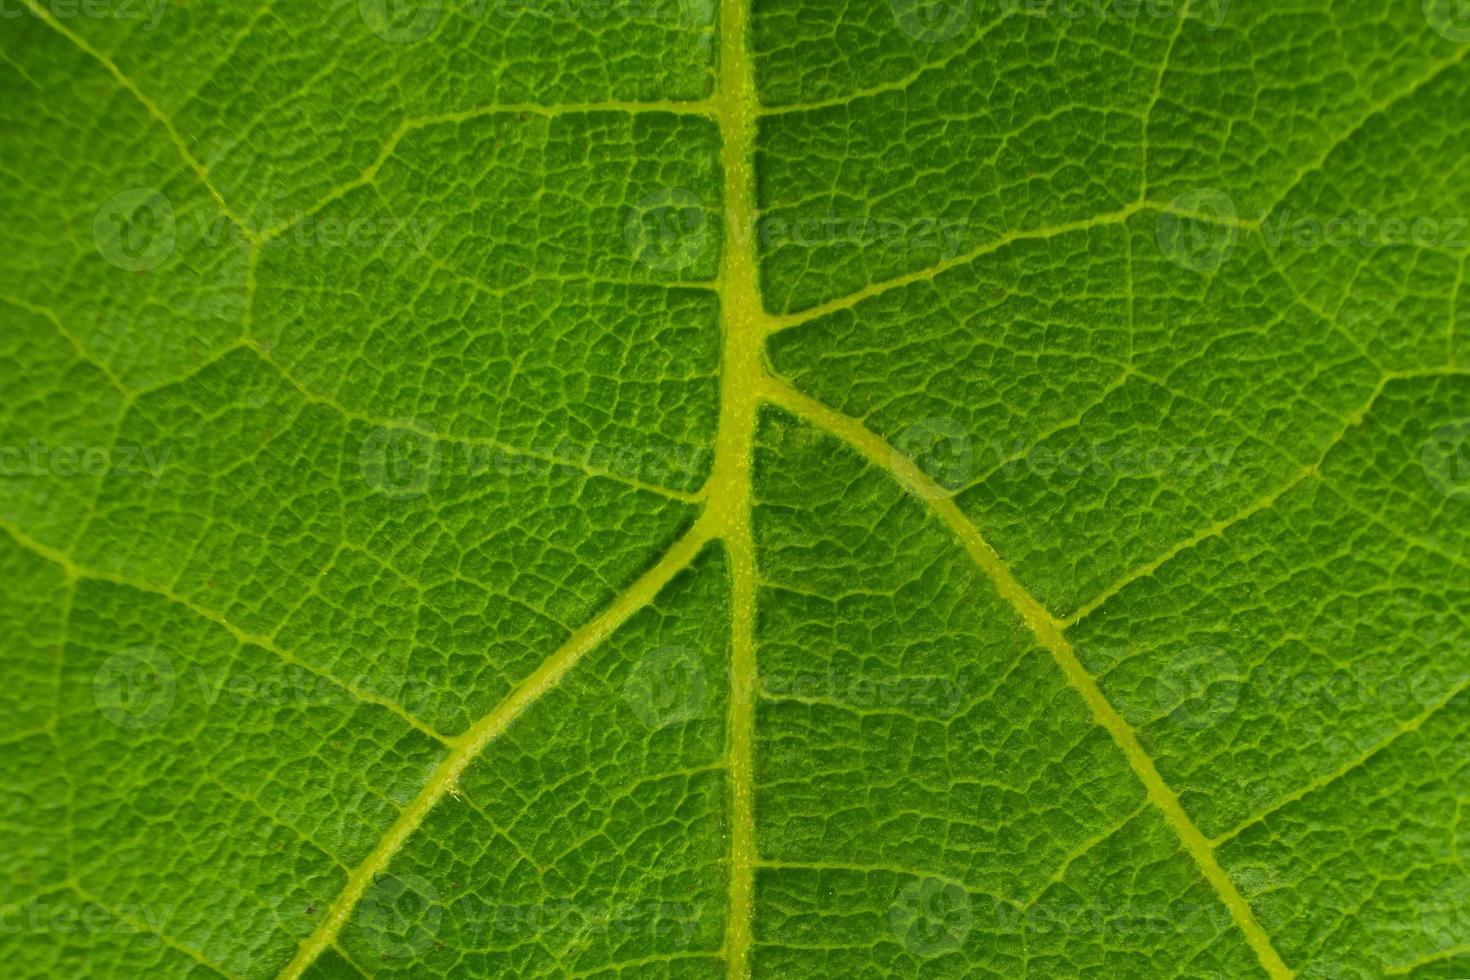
742, 320
745, 384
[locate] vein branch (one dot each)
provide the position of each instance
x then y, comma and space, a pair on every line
467, 747
101, 57
1048, 630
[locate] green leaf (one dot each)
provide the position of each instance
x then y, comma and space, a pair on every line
782, 489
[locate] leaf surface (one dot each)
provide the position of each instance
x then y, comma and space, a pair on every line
769, 489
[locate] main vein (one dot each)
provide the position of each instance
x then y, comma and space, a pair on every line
742, 320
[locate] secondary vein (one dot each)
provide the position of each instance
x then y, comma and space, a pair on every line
468, 746
1048, 630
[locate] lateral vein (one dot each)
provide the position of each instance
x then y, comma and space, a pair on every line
1049, 632
467, 747
102, 58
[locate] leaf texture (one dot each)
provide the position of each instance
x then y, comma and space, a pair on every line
757, 488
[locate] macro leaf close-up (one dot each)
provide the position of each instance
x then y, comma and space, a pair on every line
735, 488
